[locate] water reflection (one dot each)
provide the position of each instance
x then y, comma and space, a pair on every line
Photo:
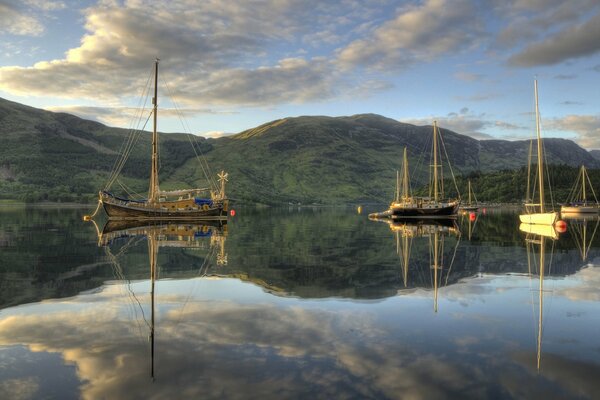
436, 251
163, 233
310, 304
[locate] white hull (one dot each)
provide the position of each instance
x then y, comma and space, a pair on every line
579, 210
540, 230
539, 219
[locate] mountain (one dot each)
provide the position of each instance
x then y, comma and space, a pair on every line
310, 159
595, 154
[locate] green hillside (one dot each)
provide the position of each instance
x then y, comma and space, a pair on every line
312, 159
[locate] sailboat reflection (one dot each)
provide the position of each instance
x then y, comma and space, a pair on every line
472, 218
180, 233
583, 228
538, 265
435, 233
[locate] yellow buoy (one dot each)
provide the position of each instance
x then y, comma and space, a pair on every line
359, 209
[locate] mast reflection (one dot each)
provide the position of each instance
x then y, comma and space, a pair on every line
208, 234
435, 234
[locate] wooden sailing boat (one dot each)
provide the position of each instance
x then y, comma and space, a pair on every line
184, 204
470, 206
407, 206
535, 213
578, 202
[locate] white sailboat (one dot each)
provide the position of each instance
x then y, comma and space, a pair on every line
470, 206
536, 213
578, 202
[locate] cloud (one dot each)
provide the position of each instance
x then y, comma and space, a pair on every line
24, 388
468, 76
418, 33
213, 53
479, 97
585, 287
215, 134
124, 116
587, 128
573, 42
467, 123
527, 21
571, 103
46, 5
565, 77
15, 20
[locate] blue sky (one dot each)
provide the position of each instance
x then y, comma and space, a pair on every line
237, 64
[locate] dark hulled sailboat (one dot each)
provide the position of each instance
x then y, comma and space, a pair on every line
178, 204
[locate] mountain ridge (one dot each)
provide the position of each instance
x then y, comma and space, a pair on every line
306, 159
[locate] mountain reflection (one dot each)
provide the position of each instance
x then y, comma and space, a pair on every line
309, 254
233, 311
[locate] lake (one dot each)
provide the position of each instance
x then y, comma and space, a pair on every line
297, 303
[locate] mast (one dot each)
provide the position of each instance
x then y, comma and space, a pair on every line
435, 268
397, 199
469, 191
405, 177
583, 180
539, 338
153, 192
153, 252
529, 199
539, 149
435, 172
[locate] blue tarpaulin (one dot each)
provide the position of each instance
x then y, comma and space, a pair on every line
201, 201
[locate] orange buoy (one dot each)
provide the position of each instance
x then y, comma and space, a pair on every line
472, 216
560, 226
232, 212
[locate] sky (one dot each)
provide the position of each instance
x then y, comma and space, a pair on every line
231, 65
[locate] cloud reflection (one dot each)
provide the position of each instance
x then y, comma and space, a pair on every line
231, 348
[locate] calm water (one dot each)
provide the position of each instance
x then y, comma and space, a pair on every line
296, 304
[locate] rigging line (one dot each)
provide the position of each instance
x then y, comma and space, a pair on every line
452, 260
119, 273
450, 166
545, 155
137, 117
129, 152
590, 185
129, 134
573, 193
132, 138
186, 128
128, 191
209, 256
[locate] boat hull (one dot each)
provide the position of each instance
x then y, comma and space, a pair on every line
579, 210
540, 230
128, 211
469, 208
539, 218
447, 211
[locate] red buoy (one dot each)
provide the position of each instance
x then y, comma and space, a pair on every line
232, 212
472, 216
560, 226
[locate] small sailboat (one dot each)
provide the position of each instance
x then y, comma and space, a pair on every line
175, 204
536, 213
435, 206
578, 202
470, 206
